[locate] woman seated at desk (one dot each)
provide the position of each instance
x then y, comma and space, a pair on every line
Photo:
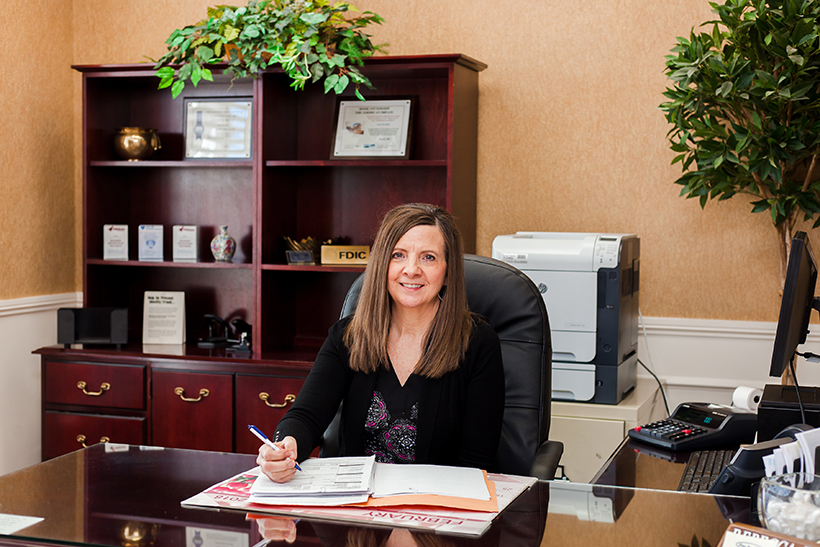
421, 378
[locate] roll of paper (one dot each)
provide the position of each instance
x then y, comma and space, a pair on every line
747, 398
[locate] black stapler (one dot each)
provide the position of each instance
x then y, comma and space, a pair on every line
218, 330
242, 332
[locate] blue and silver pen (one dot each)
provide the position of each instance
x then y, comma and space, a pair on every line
262, 437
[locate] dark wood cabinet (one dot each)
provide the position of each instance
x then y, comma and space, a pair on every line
69, 431
289, 187
261, 401
202, 399
87, 384
192, 410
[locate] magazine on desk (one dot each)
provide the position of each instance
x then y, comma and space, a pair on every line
234, 494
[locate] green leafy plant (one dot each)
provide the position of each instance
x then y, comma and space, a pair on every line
745, 110
309, 40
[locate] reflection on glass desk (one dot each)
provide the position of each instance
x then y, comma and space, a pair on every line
128, 496
643, 466
640, 465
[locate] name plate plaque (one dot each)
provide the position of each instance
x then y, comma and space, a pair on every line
349, 255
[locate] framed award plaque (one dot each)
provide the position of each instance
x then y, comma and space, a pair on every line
218, 128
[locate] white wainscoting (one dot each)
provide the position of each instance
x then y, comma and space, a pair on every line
705, 360
25, 325
697, 359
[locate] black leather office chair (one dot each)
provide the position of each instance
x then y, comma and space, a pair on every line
511, 303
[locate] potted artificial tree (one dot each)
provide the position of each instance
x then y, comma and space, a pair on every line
310, 40
745, 110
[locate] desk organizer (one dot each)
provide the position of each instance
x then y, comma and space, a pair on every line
92, 326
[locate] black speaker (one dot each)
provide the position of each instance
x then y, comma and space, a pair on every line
92, 326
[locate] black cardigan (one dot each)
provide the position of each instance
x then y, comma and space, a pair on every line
460, 414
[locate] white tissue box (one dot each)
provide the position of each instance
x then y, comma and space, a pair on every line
150, 242
186, 243
115, 242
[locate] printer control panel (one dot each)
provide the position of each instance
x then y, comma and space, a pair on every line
606, 252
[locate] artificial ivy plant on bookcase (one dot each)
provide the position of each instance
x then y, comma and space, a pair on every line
310, 40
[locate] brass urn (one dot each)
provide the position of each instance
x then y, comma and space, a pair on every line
136, 143
139, 534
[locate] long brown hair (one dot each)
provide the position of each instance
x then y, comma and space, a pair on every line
449, 333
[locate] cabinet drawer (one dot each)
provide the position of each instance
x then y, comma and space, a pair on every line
262, 401
65, 432
192, 410
114, 386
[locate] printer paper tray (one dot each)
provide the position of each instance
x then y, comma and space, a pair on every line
573, 381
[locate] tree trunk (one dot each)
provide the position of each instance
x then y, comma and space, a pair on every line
785, 232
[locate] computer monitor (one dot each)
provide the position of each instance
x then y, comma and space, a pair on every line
795, 308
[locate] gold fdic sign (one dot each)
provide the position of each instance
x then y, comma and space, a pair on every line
345, 254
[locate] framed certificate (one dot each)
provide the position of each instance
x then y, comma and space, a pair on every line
373, 129
218, 128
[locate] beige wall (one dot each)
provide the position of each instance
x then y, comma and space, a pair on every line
571, 138
38, 217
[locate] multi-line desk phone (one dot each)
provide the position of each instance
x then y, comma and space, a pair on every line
695, 426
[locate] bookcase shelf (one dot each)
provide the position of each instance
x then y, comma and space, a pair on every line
316, 268
290, 187
166, 264
186, 164
356, 163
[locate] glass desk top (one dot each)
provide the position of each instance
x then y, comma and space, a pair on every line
129, 496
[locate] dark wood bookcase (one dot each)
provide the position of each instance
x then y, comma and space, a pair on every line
289, 187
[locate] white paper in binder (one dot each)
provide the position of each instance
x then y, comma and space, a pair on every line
747, 398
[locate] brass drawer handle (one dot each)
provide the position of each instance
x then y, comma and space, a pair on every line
81, 439
105, 386
289, 398
181, 392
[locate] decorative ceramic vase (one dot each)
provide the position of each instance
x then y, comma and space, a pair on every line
223, 246
136, 143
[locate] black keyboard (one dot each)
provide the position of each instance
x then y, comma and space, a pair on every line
703, 468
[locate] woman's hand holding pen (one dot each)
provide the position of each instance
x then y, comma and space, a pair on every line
275, 528
278, 465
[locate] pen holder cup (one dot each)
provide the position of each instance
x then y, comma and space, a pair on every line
790, 504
